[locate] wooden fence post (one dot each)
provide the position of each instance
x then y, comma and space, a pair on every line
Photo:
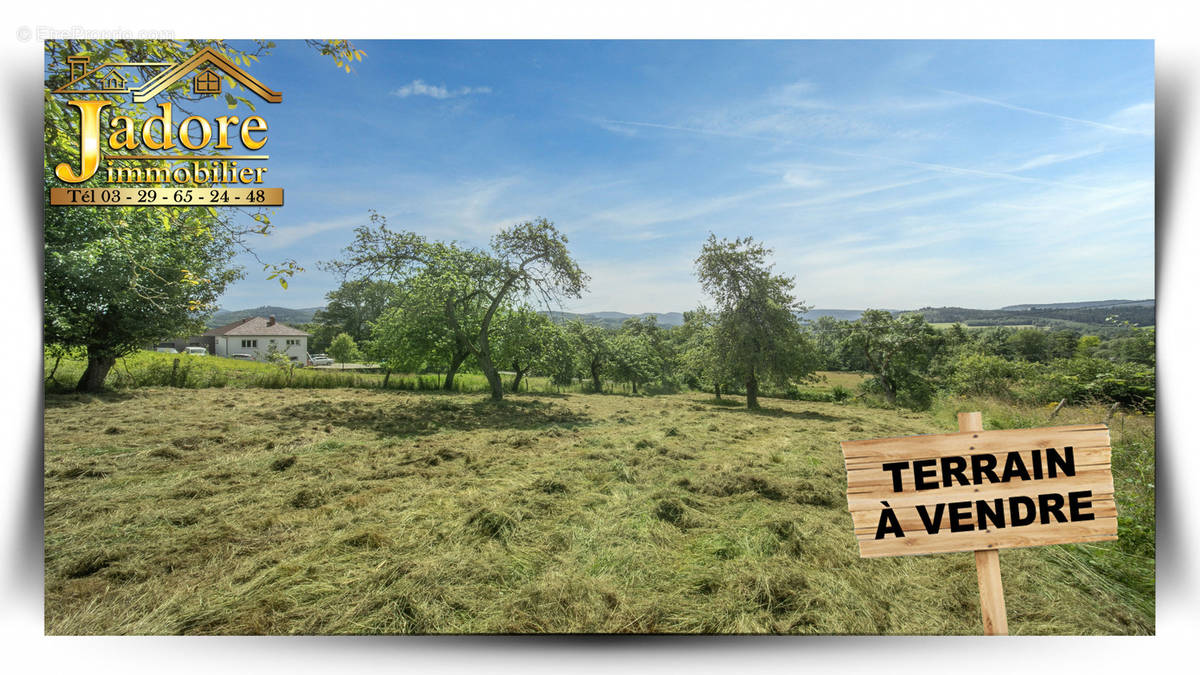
987, 562
1056, 408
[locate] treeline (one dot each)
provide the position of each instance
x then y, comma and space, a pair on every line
430, 307
913, 361
1141, 315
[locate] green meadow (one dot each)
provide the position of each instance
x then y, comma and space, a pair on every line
244, 510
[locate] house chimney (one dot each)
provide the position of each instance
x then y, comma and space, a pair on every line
271, 320
79, 66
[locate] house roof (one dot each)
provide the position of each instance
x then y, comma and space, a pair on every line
255, 325
206, 55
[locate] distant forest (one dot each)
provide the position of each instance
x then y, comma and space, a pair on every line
1136, 314
1094, 314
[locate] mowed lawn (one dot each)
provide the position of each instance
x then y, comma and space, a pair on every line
357, 511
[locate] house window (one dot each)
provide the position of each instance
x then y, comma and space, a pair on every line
292, 342
250, 343
207, 82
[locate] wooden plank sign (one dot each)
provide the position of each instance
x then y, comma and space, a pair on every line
980, 490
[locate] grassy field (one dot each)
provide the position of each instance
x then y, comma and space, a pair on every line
367, 511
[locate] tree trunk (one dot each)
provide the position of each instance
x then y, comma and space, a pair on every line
596, 385
387, 374
635, 386
492, 375
752, 392
888, 392
456, 360
717, 390
97, 370
517, 380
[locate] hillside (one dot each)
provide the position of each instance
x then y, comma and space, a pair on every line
1060, 314
1078, 305
282, 315
1136, 313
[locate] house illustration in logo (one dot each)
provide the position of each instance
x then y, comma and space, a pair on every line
205, 68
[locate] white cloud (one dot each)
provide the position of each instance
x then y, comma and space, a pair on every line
1139, 117
1042, 113
284, 234
421, 88
1053, 158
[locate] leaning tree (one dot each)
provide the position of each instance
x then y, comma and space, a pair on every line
527, 260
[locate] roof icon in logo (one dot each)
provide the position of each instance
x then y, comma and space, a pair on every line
109, 78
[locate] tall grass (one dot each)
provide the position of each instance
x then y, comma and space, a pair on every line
1126, 566
188, 371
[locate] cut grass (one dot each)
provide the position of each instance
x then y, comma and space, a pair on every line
246, 511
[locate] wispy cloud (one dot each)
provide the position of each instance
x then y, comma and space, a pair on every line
285, 234
933, 166
421, 88
1054, 158
1031, 111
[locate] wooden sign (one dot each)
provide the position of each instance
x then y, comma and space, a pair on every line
981, 490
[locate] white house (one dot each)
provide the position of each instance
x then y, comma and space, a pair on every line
258, 337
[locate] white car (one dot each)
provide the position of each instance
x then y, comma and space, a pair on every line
320, 360
196, 351
242, 357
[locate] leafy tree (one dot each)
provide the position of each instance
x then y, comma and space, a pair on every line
1086, 347
354, 305
413, 335
559, 356
528, 259
757, 332
1030, 344
661, 357
897, 351
702, 364
594, 347
118, 278
633, 359
343, 348
523, 335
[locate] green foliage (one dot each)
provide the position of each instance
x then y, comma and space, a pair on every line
523, 335
343, 349
594, 347
898, 352
529, 259
633, 359
755, 331
984, 375
354, 306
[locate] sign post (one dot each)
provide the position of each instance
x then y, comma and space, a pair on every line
981, 491
987, 561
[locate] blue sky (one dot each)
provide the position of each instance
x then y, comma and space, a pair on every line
883, 173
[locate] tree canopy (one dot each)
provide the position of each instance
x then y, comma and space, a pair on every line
527, 260
756, 332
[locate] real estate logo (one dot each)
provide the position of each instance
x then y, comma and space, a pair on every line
157, 161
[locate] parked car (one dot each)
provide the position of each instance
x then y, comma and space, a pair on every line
320, 360
242, 357
165, 350
197, 351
